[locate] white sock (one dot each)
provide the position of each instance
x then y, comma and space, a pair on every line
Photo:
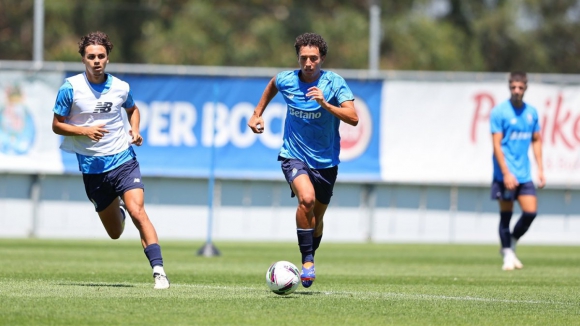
158, 269
514, 242
507, 252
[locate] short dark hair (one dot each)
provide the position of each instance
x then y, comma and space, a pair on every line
95, 38
311, 39
518, 76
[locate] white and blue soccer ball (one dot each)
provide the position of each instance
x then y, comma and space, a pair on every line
283, 277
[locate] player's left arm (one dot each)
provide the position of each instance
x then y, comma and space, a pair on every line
537, 149
345, 112
134, 120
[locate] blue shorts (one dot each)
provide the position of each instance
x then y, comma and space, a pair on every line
322, 179
103, 188
499, 192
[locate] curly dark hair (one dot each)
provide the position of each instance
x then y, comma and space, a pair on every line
95, 38
311, 39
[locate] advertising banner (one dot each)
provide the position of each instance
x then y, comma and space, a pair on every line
409, 131
27, 143
191, 123
438, 132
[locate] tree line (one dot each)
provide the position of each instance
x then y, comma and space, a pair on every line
453, 35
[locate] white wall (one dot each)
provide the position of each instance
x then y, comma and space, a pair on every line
264, 211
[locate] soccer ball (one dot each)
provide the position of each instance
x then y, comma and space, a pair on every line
283, 277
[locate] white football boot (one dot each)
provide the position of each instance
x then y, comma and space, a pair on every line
508, 259
517, 263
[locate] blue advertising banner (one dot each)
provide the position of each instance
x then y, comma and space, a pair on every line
185, 118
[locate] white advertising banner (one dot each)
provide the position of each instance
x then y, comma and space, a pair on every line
27, 143
438, 132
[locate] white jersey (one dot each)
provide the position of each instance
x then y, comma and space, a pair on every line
90, 108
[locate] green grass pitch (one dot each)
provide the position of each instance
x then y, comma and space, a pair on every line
56, 282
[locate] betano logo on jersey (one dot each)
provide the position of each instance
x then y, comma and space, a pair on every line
520, 135
305, 114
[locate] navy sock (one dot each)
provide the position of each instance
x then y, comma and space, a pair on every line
523, 224
153, 253
316, 243
305, 241
504, 229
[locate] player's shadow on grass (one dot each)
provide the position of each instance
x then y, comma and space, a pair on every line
309, 293
111, 285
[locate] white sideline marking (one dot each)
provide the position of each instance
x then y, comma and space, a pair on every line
352, 294
386, 294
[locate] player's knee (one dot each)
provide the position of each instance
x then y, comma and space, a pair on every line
115, 234
136, 213
307, 202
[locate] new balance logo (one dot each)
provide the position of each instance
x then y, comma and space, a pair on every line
103, 107
136, 180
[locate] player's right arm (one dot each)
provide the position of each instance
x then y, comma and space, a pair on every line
60, 127
61, 109
509, 179
256, 120
495, 120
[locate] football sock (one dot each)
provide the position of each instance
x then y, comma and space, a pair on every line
153, 253
157, 269
523, 224
305, 240
504, 229
316, 243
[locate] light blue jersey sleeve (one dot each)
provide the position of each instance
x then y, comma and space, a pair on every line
129, 103
64, 100
343, 92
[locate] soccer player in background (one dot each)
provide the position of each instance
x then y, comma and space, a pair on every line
317, 101
88, 114
514, 126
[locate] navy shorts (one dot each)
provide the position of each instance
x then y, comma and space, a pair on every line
322, 179
499, 192
103, 188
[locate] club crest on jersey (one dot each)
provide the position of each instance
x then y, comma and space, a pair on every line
103, 107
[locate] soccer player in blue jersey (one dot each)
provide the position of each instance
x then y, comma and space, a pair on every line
317, 101
514, 127
87, 113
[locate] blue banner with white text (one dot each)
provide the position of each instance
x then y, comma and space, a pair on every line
193, 126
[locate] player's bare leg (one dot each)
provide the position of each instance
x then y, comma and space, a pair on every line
305, 224
528, 203
134, 201
319, 210
306, 197
113, 219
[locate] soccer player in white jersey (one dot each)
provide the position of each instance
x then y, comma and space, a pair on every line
317, 101
87, 113
514, 127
